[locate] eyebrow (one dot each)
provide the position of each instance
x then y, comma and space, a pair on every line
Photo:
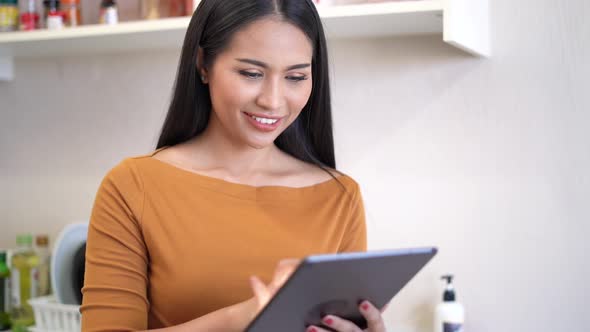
264, 65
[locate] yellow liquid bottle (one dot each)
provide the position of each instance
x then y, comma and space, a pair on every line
4, 293
24, 285
42, 250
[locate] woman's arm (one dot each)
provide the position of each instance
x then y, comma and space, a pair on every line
234, 318
116, 273
237, 317
355, 236
117, 262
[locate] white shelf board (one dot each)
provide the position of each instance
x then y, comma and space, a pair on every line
346, 21
383, 19
364, 20
96, 39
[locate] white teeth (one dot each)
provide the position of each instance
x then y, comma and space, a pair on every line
264, 120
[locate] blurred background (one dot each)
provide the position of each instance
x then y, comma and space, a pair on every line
487, 158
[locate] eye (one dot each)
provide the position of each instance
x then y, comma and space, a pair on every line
250, 75
297, 78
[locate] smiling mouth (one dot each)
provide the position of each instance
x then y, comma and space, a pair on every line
264, 119
264, 123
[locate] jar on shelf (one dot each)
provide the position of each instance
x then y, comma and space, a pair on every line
52, 14
154, 9
176, 8
108, 12
188, 7
72, 11
8, 15
29, 18
150, 9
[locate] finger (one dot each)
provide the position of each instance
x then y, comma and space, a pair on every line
283, 271
340, 324
261, 292
289, 261
286, 266
373, 316
313, 328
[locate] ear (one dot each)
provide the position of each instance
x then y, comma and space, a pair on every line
201, 70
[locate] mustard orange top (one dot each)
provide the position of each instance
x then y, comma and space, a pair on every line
166, 245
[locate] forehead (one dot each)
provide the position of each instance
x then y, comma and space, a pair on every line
273, 41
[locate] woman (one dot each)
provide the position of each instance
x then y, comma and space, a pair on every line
243, 177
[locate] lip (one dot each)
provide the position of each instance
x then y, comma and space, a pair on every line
258, 115
265, 127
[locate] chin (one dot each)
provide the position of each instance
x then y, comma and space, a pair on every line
258, 145
260, 142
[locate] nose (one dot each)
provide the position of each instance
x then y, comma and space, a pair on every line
271, 95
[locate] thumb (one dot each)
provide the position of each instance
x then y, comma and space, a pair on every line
284, 270
261, 292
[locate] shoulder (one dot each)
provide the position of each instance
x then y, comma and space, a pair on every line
128, 171
349, 185
133, 165
170, 154
121, 190
122, 179
311, 174
315, 174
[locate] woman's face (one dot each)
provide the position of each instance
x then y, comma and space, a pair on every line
261, 82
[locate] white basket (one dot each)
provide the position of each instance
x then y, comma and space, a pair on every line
51, 316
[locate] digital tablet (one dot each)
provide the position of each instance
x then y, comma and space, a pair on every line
336, 284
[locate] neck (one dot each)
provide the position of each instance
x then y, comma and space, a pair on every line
223, 154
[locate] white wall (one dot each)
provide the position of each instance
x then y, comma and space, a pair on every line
487, 159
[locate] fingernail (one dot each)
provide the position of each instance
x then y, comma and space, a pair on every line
365, 306
328, 320
312, 329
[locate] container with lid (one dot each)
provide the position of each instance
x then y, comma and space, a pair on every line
108, 12
73, 12
150, 9
23, 282
4, 292
8, 15
42, 250
29, 18
53, 16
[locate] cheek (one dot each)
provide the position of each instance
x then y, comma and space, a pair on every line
299, 98
228, 95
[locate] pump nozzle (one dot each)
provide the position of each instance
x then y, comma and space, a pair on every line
449, 294
448, 278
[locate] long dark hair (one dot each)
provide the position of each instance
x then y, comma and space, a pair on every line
309, 137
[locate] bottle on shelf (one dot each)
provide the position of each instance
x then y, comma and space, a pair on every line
29, 19
24, 282
73, 13
189, 7
8, 15
108, 12
176, 8
53, 16
4, 292
42, 250
150, 9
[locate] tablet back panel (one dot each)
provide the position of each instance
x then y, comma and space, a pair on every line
336, 284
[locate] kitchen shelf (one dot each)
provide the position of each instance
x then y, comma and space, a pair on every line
462, 23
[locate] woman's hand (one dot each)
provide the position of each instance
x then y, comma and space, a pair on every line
263, 293
242, 314
369, 311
